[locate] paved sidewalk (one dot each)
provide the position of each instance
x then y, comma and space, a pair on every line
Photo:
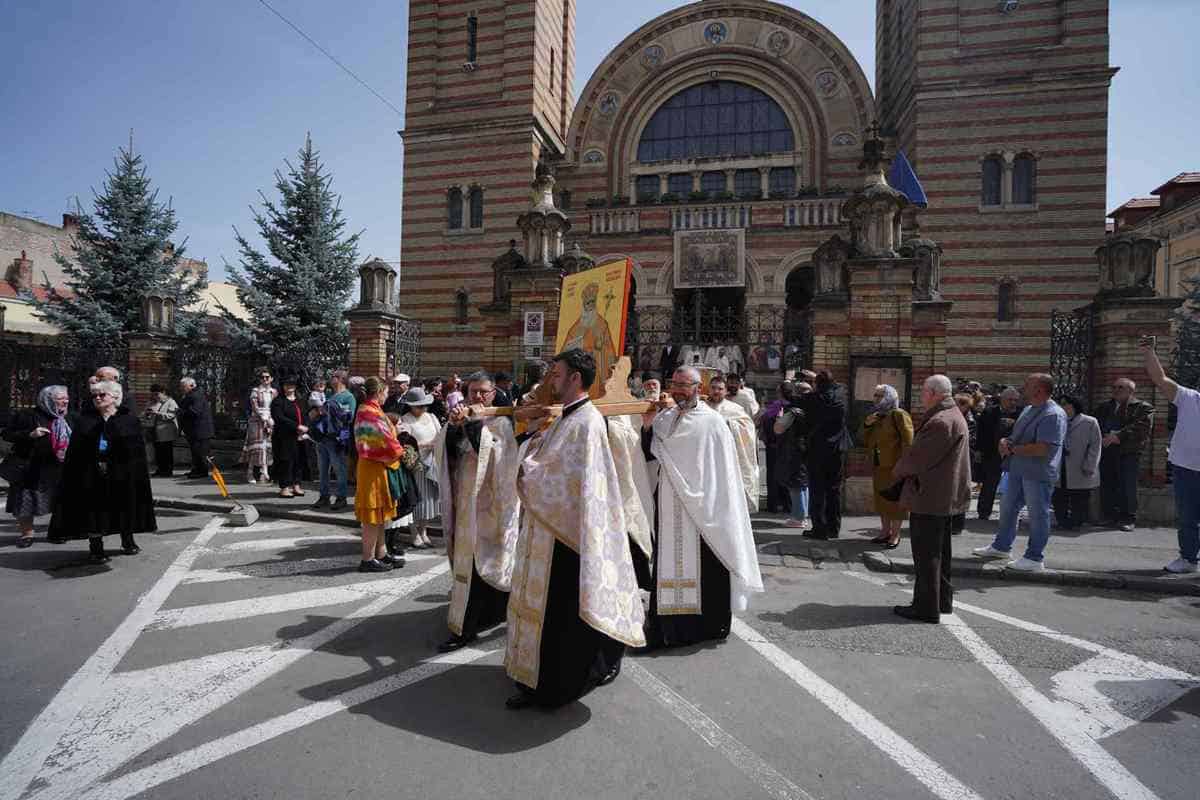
1099, 558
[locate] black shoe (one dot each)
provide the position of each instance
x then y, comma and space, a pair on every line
25, 541
455, 643
823, 537
908, 612
322, 502
196, 475
374, 565
339, 505
809, 535
518, 701
130, 549
98, 558
611, 675
395, 561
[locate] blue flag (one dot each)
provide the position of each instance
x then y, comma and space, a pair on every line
904, 180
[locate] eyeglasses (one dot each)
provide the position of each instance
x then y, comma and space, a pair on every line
96, 395
682, 384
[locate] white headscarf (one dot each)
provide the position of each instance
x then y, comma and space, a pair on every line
890, 401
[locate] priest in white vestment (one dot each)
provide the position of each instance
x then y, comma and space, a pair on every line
745, 437
705, 562
477, 468
575, 603
742, 394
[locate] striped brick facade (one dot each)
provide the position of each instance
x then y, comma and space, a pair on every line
960, 80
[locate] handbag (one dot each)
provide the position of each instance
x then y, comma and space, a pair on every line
13, 468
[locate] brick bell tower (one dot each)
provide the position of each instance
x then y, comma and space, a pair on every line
489, 95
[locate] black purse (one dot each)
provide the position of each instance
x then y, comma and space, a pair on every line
13, 468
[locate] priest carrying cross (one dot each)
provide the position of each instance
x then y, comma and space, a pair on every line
575, 604
705, 563
477, 466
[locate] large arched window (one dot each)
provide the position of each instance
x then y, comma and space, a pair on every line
717, 118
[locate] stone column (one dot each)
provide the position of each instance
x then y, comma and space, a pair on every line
370, 336
764, 174
149, 363
1118, 322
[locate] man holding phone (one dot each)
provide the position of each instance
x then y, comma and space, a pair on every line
1184, 456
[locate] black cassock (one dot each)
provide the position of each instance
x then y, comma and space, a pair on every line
104, 491
713, 621
486, 605
574, 656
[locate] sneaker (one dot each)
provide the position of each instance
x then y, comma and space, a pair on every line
989, 552
1181, 566
1127, 527
1027, 565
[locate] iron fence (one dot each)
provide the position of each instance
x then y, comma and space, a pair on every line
1072, 346
404, 348
26, 366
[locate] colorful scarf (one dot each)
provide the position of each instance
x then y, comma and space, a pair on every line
889, 403
374, 435
60, 429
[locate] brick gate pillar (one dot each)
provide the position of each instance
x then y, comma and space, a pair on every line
149, 363
373, 321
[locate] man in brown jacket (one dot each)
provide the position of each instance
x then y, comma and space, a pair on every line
938, 486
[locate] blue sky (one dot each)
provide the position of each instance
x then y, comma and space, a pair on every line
220, 92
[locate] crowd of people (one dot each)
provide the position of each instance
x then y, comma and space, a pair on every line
556, 516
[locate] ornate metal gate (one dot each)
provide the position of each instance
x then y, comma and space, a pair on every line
1072, 346
771, 339
226, 376
27, 366
404, 348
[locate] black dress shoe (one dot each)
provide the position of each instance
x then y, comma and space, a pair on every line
339, 505
396, 561
98, 558
322, 502
455, 643
130, 549
374, 565
908, 612
611, 675
518, 701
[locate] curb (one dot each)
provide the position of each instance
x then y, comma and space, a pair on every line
876, 562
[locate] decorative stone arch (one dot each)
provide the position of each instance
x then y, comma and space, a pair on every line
767, 44
799, 258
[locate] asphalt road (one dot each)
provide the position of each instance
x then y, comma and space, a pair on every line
255, 663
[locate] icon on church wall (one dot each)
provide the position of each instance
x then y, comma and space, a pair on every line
593, 157
716, 33
844, 139
706, 259
827, 82
779, 42
592, 312
609, 103
653, 56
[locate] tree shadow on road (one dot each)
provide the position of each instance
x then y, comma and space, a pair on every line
463, 705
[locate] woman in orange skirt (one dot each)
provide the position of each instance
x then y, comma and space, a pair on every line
378, 451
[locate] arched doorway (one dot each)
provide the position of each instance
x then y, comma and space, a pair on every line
799, 288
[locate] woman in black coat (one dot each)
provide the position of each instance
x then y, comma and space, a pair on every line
40, 438
286, 446
105, 482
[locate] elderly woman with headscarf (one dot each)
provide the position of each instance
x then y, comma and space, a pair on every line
40, 438
886, 433
105, 485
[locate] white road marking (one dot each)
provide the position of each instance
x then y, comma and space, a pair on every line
759, 771
121, 718
892, 744
1148, 686
139, 781
280, 569
209, 613
283, 543
25, 759
1062, 725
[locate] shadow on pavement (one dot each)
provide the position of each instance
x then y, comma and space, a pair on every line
463, 705
824, 617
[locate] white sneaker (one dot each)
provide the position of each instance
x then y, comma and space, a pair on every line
1027, 565
1181, 566
989, 552
250, 480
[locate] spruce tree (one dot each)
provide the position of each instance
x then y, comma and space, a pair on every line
297, 291
122, 254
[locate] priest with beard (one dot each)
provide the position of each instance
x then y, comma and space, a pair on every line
745, 437
477, 466
705, 562
575, 604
